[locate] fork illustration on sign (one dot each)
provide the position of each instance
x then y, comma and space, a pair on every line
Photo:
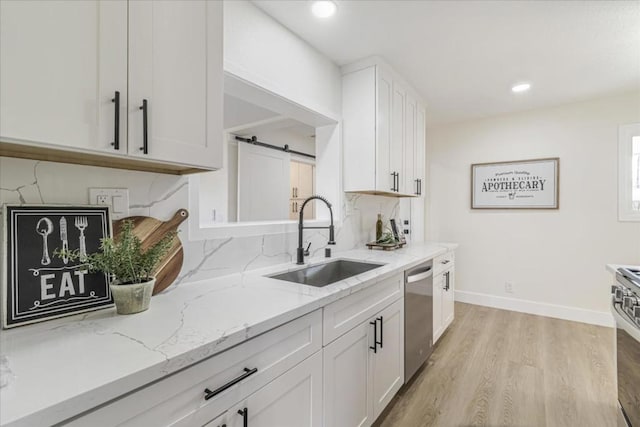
81, 224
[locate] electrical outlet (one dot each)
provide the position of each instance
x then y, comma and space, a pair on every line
508, 287
116, 198
103, 199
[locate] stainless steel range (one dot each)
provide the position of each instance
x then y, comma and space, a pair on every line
625, 306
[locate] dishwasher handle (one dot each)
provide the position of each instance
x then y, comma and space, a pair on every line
427, 272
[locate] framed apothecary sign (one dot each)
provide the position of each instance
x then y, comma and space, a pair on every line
524, 184
38, 285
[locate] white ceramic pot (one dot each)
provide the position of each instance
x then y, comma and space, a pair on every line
132, 298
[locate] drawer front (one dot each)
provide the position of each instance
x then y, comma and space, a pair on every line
345, 314
443, 262
174, 400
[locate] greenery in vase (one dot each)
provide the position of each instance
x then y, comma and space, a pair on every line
123, 259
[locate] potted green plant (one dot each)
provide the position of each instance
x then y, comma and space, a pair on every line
129, 267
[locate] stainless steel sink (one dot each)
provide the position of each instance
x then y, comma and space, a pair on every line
326, 274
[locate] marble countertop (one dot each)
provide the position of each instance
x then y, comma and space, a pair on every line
54, 370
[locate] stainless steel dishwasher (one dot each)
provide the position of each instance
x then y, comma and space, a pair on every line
418, 317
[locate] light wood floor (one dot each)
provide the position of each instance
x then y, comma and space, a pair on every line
502, 368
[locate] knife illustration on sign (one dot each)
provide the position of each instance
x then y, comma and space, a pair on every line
64, 239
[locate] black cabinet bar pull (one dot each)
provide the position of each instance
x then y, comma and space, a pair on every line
116, 121
145, 127
375, 336
398, 185
245, 416
420, 187
247, 373
393, 186
381, 319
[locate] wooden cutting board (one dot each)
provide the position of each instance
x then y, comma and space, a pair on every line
150, 230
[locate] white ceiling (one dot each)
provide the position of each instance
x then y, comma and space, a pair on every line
464, 56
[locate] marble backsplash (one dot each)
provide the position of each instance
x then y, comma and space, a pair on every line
160, 195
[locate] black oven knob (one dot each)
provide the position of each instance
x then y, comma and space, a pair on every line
618, 294
636, 313
630, 302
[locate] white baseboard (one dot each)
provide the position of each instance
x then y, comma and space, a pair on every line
601, 318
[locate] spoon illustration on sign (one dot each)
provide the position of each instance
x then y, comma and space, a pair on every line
44, 227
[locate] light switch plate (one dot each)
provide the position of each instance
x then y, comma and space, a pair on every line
117, 198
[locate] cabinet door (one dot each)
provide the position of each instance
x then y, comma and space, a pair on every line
61, 63
438, 284
294, 173
384, 95
396, 148
347, 387
220, 421
410, 184
417, 204
387, 364
420, 146
305, 180
294, 399
448, 299
175, 64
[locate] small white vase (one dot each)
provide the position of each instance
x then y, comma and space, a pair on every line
132, 298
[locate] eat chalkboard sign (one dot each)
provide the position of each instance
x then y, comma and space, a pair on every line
39, 286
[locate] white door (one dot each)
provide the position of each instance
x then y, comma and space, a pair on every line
438, 284
347, 386
294, 399
410, 184
387, 364
447, 299
384, 94
263, 183
396, 154
61, 63
175, 65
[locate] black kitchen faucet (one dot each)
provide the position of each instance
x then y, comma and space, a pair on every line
301, 252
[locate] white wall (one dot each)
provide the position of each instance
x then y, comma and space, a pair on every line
552, 257
260, 50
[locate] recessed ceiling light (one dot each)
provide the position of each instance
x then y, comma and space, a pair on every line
323, 8
521, 87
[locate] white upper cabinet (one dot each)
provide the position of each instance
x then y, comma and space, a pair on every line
384, 177
65, 63
61, 63
175, 65
410, 146
420, 147
383, 132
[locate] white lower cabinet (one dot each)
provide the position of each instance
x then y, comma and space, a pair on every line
285, 377
443, 294
292, 400
220, 421
202, 392
387, 364
364, 369
347, 383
